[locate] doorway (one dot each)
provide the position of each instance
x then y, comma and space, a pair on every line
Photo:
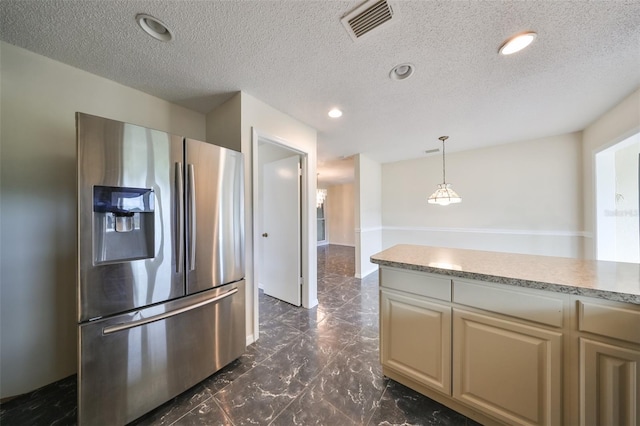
617, 201
307, 262
279, 201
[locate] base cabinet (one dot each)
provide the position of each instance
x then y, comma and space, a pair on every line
504, 355
609, 384
415, 339
506, 369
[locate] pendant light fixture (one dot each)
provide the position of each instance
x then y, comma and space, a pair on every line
444, 195
321, 194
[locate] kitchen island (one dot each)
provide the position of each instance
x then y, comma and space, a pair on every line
513, 339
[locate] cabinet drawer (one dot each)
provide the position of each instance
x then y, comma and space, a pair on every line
515, 303
609, 321
417, 282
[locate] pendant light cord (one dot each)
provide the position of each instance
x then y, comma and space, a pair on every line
443, 138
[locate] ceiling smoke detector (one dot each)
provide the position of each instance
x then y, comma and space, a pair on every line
367, 17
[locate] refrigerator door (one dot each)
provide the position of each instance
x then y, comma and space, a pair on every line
130, 216
132, 363
215, 216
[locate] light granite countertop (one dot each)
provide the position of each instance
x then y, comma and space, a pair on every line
606, 280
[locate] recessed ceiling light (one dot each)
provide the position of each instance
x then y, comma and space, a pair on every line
517, 43
154, 27
401, 72
335, 113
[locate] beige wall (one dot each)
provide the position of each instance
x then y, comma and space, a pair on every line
255, 114
39, 98
523, 197
368, 213
340, 214
622, 121
223, 125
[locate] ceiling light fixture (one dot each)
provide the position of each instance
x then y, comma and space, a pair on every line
321, 194
444, 195
401, 72
335, 113
154, 27
517, 43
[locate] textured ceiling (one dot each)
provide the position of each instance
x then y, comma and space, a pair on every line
297, 57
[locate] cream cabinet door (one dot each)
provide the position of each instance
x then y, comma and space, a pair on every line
609, 384
506, 369
415, 338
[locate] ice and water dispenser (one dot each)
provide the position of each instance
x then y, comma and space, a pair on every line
123, 226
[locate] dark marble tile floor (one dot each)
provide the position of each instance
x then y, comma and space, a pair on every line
309, 367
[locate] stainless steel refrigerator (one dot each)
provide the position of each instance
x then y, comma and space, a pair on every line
161, 291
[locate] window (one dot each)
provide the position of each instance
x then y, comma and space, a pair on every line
322, 225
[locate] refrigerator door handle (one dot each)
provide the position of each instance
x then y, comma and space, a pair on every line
129, 325
179, 216
192, 213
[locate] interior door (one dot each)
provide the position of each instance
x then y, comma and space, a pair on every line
281, 230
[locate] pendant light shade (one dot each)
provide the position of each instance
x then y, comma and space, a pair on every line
444, 195
321, 195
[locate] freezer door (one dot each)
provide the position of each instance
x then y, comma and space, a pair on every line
130, 216
129, 364
215, 216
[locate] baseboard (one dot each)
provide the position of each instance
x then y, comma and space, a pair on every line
341, 244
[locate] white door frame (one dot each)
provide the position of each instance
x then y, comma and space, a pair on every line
256, 136
601, 186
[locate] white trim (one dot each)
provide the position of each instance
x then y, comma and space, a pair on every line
342, 244
250, 339
362, 230
491, 231
593, 234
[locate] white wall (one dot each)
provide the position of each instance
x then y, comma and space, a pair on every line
523, 197
368, 213
255, 114
340, 214
606, 199
619, 123
39, 98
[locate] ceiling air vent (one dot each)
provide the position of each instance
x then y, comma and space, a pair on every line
367, 17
